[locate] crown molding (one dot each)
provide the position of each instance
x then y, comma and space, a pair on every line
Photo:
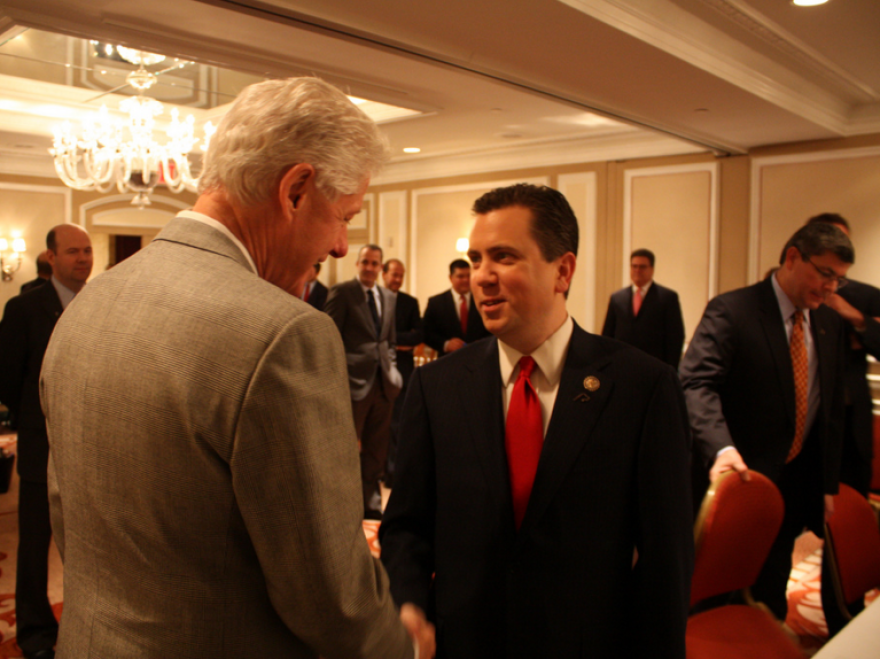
620, 145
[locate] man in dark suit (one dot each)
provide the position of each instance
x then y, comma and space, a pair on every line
451, 319
409, 335
646, 314
541, 505
314, 292
44, 273
764, 383
365, 316
27, 324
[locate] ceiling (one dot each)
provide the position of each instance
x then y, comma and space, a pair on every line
502, 83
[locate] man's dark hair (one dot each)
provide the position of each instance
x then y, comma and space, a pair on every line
388, 263
51, 243
647, 253
43, 266
318, 268
829, 218
554, 225
458, 264
816, 239
370, 246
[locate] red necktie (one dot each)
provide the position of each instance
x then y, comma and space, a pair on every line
524, 438
306, 293
463, 308
801, 372
637, 301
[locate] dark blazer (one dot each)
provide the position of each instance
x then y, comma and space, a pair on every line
318, 296
738, 383
364, 351
33, 283
409, 332
858, 443
659, 327
613, 475
27, 324
442, 323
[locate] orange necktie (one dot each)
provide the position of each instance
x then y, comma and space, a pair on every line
524, 438
801, 372
637, 301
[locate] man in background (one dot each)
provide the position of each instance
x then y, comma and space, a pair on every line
535, 463
409, 335
764, 382
646, 314
44, 273
365, 316
314, 292
451, 318
204, 479
27, 324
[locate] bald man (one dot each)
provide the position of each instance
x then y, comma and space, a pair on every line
27, 324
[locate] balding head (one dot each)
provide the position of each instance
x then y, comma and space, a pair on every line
70, 255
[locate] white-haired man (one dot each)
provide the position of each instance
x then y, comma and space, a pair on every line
204, 476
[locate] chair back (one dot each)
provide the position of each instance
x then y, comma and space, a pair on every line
735, 529
852, 539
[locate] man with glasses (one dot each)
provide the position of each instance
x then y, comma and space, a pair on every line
764, 385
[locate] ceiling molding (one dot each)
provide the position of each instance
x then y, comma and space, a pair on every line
666, 26
621, 146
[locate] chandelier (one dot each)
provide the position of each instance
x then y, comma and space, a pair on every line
110, 151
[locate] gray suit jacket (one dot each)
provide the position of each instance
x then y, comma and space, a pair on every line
204, 475
365, 353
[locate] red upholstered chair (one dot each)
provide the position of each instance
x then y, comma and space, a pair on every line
852, 541
736, 527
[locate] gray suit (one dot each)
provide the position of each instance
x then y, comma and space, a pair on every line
372, 376
203, 471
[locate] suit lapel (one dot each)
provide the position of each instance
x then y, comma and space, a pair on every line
773, 326
387, 313
50, 301
825, 348
359, 297
482, 405
574, 416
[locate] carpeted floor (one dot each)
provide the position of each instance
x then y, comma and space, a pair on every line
805, 619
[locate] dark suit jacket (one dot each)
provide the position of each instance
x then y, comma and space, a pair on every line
858, 449
658, 329
365, 353
613, 475
409, 332
27, 324
442, 323
739, 387
33, 283
318, 296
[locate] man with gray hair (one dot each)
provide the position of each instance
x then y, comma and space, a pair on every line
204, 474
764, 385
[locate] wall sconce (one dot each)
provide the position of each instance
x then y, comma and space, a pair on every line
462, 245
10, 263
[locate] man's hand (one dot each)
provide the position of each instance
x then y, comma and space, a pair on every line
420, 630
846, 311
829, 507
730, 460
453, 344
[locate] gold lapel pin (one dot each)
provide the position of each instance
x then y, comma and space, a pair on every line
591, 383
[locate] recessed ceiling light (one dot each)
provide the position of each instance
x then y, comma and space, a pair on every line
411, 149
808, 3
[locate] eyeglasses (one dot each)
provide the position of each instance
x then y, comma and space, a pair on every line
827, 275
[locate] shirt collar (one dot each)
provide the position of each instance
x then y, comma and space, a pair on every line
549, 356
786, 306
64, 294
644, 288
222, 228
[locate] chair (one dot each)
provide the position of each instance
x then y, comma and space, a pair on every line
852, 541
735, 529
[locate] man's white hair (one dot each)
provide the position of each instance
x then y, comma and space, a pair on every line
277, 124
